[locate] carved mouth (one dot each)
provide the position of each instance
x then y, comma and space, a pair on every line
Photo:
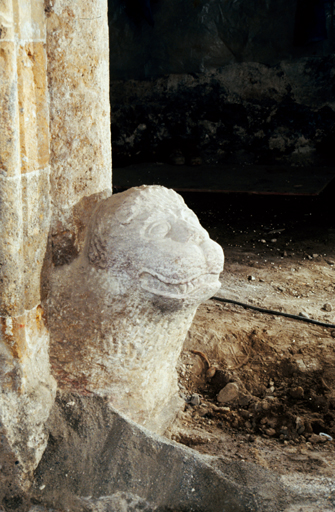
174, 289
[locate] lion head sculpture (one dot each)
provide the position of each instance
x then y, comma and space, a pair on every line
125, 305
148, 234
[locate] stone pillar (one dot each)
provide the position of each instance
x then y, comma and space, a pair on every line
54, 150
27, 388
80, 144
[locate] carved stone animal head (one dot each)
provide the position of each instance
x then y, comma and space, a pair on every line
147, 235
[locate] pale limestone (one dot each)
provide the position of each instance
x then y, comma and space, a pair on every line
80, 144
11, 250
36, 211
27, 392
27, 389
119, 314
9, 119
78, 70
77, 77
229, 393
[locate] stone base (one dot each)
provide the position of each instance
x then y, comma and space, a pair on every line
97, 458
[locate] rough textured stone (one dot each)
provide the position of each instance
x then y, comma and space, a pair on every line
11, 247
192, 37
228, 393
9, 129
244, 113
27, 396
36, 224
119, 314
27, 389
80, 146
94, 455
26, 386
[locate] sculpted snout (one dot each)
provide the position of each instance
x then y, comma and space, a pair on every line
214, 256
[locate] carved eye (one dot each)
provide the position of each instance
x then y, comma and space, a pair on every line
158, 229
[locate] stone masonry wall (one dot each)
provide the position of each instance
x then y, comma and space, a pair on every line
80, 144
27, 388
55, 161
227, 77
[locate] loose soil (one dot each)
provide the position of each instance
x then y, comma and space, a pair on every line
280, 255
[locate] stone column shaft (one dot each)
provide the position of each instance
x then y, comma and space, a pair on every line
27, 389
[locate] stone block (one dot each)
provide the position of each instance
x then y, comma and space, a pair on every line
30, 20
27, 393
9, 119
96, 460
11, 252
7, 21
33, 106
119, 313
79, 101
36, 222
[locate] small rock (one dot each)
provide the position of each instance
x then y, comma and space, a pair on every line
195, 399
228, 393
284, 254
272, 422
274, 240
284, 431
327, 307
248, 424
244, 400
333, 334
263, 241
245, 414
251, 438
251, 278
265, 406
299, 425
270, 432
210, 372
297, 392
315, 255
203, 412
304, 315
315, 439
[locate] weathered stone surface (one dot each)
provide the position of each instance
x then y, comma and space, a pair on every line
36, 223
193, 37
228, 393
27, 389
94, 455
118, 502
11, 250
244, 113
33, 107
77, 49
9, 127
119, 314
27, 396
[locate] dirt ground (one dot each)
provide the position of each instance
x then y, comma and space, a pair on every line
280, 372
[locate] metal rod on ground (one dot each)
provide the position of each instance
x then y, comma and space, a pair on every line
273, 312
